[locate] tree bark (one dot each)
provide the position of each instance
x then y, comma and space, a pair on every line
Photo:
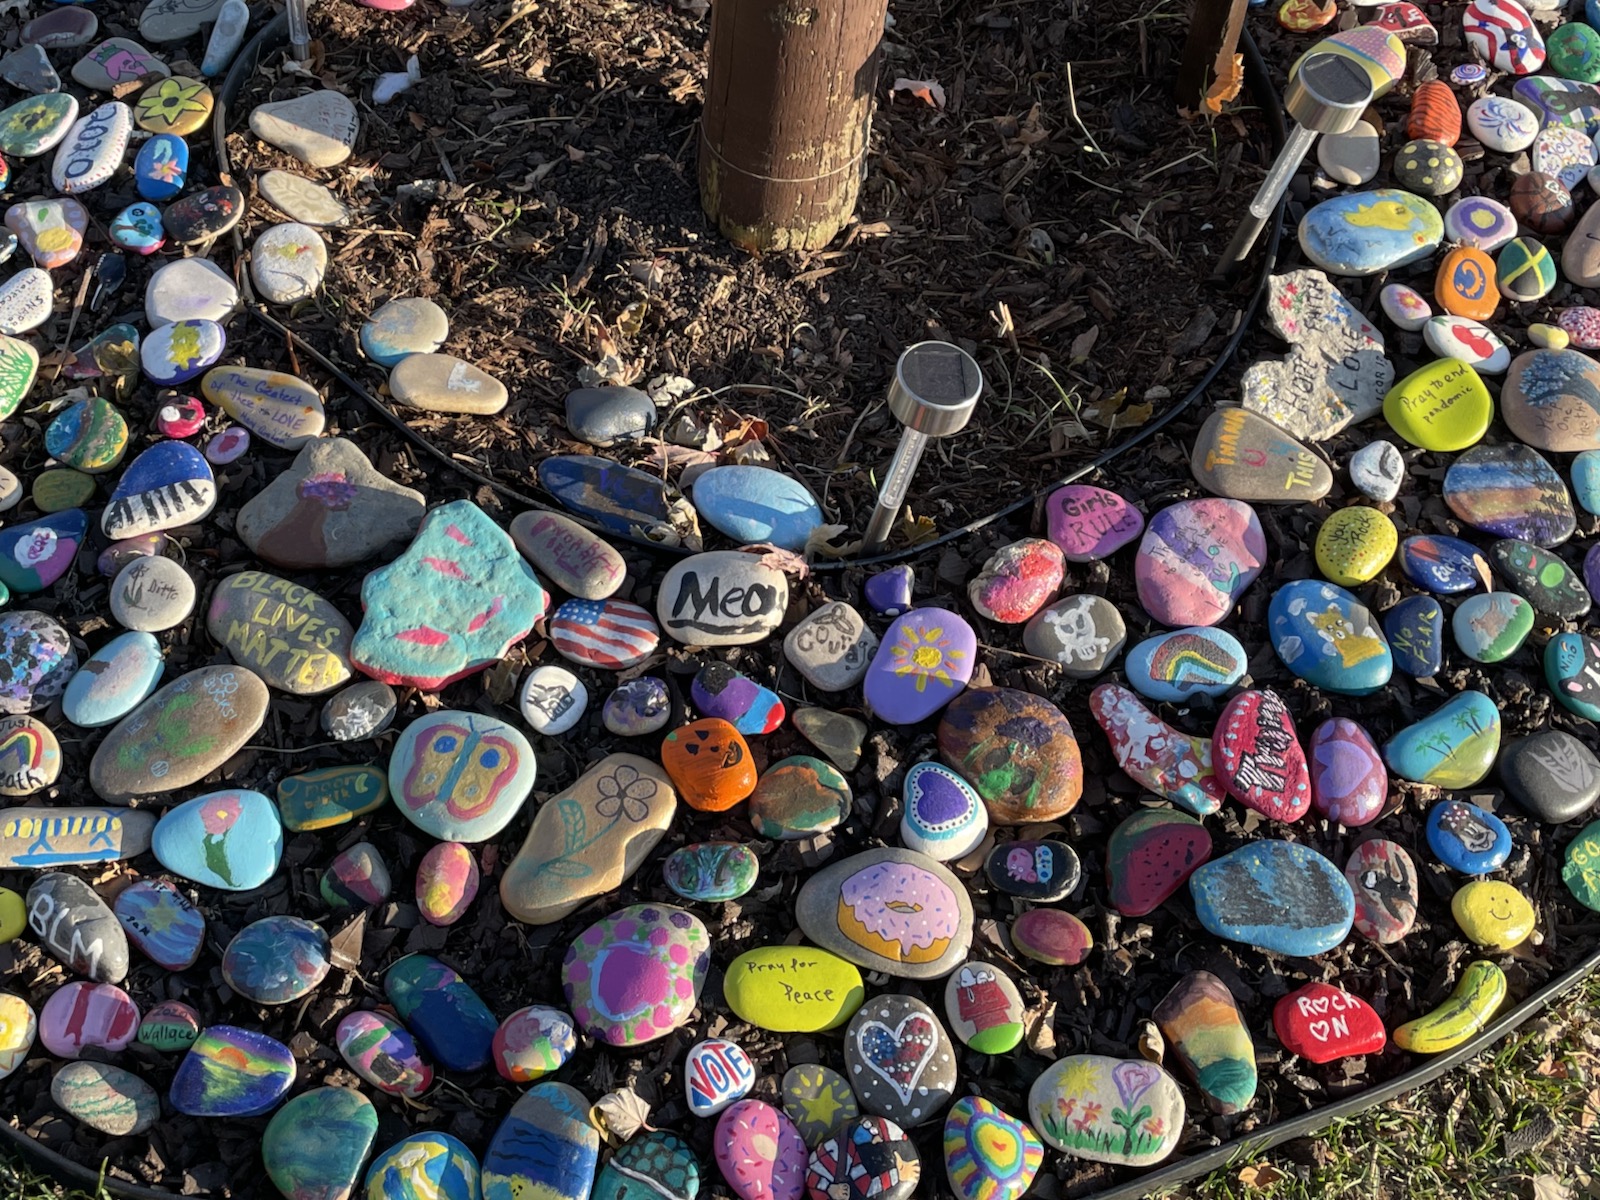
783, 140
1211, 72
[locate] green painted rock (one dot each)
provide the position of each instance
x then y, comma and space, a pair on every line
90, 435
61, 488
711, 871
1573, 52
106, 1098
798, 798
657, 1166
1442, 406
793, 989
315, 1144
1150, 856
19, 363
1581, 871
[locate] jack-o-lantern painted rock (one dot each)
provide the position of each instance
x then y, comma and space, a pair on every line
710, 763
1017, 750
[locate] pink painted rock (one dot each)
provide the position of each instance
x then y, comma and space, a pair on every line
1582, 325
389, 5
1320, 1022
180, 416
1196, 558
760, 1152
1049, 935
1173, 764
1384, 880
1089, 522
447, 882
1017, 581
1348, 780
87, 1014
1258, 756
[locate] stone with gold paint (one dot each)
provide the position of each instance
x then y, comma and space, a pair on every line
286, 633
1427, 167
178, 105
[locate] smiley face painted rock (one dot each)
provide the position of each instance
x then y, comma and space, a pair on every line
460, 776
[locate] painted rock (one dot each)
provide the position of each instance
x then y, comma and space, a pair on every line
319, 128
18, 1026
925, 660
723, 598
1053, 937
792, 989
30, 756
310, 203
619, 499
161, 167
276, 960
1552, 775
1258, 756
447, 883
715, 1074
899, 1060
1493, 914
1580, 871
315, 1144
359, 711
170, 1025
1150, 856
449, 1020
35, 554
1407, 22
1492, 627
1384, 881
228, 840
984, 1008
1435, 114
888, 592
942, 817
818, 1100
552, 700
989, 1154
1406, 306
444, 383
192, 289
636, 975
798, 797
90, 436
1043, 871
546, 1146
279, 409
1202, 1025
356, 878
51, 231
1580, 259
1196, 558
13, 916
832, 647
866, 1157
1280, 897
1016, 750
1328, 638
107, 1099
459, 776
1017, 580
19, 364
1479, 221
589, 839
1478, 995
167, 486
760, 1152
1083, 634
709, 762
74, 924
1550, 400
1354, 544
612, 634
1090, 523
330, 796
33, 836
161, 922
1465, 283
1525, 271
894, 911
26, 301
1442, 406
532, 1042
711, 872
93, 149
379, 1050
753, 504
60, 488
1171, 763
411, 325
288, 262
654, 1166
1452, 748
638, 708
1429, 168
1074, 1105
1348, 781
1572, 669
1243, 456
1574, 52
1363, 233
1443, 565
577, 561
1467, 838
1560, 152
1541, 578
424, 1166
1322, 1023
232, 1072
1467, 341
1582, 325
36, 124
720, 691
1502, 33
287, 634
37, 660
79, 1016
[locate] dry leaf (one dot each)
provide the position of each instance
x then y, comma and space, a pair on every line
1548, 1187
620, 1114
926, 90
917, 530
1260, 1175
819, 542
1227, 86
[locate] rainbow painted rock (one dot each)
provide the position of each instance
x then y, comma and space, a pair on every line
1185, 663
1322, 1023
1196, 558
424, 1166
315, 1144
636, 975
924, 661
160, 921
1150, 856
1383, 880
1175, 765
447, 882
441, 1010
760, 1152
1018, 752
989, 1154
1259, 758
1075, 1105
544, 1148
532, 1042
1348, 780
1203, 1028
276, 960
232, 1072
378, 1049
1091, 523
30, 756
1277, 896
1510, 491
460, 776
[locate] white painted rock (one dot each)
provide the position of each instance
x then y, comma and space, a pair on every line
1350, 158
152, 594
227, 35
1377, 470
301, 199
26, 300
553, 699
1405, 306
288, 262
174, 20
1502, 124
721, 598
444, 383
318, 128
1467, 341
190, 289
93, 149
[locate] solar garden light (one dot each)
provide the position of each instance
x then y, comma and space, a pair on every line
935, 389
300, 29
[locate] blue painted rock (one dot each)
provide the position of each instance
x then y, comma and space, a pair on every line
943, 817
756, 504
330, 796
889, 910
1328, 638
442, 1011
90, 435
379, 1050
719, 691
447, 883
453, 603
169, 485
989, 1154
798, 797
710, 872
1185, 663
281, 410
35, 554
1467, 838
723, 598
160, 920
1453, 747
37, 660
653, 1166
424, 1166
170, 1025
179, 352
1196, 558
412, 325
1171, 763
107, 1099
276, 960
74, 924
87, 1016
315, 1144
1586, 476
460, 776
1258, 756
1091, 523
228, 840
138, 228
1572, 669
356, 878
545, 1147
888, 593
924, 661
636, 975
1510, 491
1348, 780
716, 1072
161, 167
1018, 752
1150, 856
1415, 630
1493, 626
1443, 565
232, 1072
532, 1042
1541, 578
617, 498
1363, 233
1277, 896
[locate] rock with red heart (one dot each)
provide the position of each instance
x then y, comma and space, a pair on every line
1018, 580
1320, 1022
900, 1060
1349, 782
1259, 759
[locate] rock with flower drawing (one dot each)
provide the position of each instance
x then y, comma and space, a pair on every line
636, 975
589, 839
1124, 1111
176, 105
924, 661
228, 840
460, 776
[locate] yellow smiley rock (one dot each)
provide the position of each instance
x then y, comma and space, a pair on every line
1493, 914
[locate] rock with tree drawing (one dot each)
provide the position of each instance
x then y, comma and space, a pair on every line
1281, 897
1452, 747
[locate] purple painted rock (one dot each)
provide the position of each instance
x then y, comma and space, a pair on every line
160, 920
1258, 756
379, 1049
760, 1152
81, 1015
1582, 325
636, 975
1089, 522
1017, 581
1384, 880
1171, 763
1196, 558
1348, 781
1150, 856
720, 691
1049, 935
447, 882
923, 662
36, 661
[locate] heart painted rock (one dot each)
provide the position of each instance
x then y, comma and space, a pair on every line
1258, 756
793, 989
943, 817
1185, 663
888, 910
1467, 838
1075, 1103
1384, 881
924, 661
232, 1072
899, 1060
1091, 523
460, 776
760, 1152
1202, 1026
1277, 896
1322, 1023
1018, 752
1150, 856
1196, 558
1348, 780
1328, 638
636, 975
449, 1020
1452, 748
1171, 763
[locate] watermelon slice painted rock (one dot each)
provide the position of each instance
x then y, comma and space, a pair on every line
1173, 764
1149, 857
1258, 756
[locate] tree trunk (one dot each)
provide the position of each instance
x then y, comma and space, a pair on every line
1211, 71
783, 140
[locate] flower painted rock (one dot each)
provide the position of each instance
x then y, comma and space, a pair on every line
723, 598
1322, 1023
35, 554
1258, 756
1384, 881
760, 1152
1053, 937
228, 840
315, 1144
1467, 838
895, 911
170, 1025
1123, 1111
793, 989
1185, 663
1363, 233
924, 661
752, 504
449, 1020
818, 1100
942, 816
1277, 896
636, 975
1043, 870
1328, 638
161, 167
377, 1048
989, 1154
82, 1015
1493, 914
107, 1099
330, 796
1175, 765
1017, 580
545, 1147
1150, 856
799, 797
711, 872
984, 1008
424, 1166
460, 776
232, 1072
1196, 558
1348, 780
276, 960
1090, 523
161, 922
1452, 748
1202, 1026
447, 883
1406, 306
1503, 34
715, 1074
532, 1042
867, 1157
167, 486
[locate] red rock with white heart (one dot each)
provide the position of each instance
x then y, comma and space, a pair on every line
1320, 1022
1258, 757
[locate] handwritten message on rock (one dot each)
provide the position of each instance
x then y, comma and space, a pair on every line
287, 634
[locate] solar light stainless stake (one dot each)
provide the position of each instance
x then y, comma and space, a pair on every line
300, 29
935, 389
1327, 94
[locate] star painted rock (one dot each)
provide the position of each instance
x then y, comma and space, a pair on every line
1322, 1023
818, 1100
1348, 780
1277, 896
1196, 558
636, 975
460, 776
1175, 765
1258, 756
1018, 752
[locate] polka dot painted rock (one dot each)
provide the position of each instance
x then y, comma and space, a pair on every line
1017, 581
1259, 758
636, 975
1322, 1023
1354, 544
1348, 780
943, 817
899, 1060
1541, 578
1582, 325
1196, 558
460, 776
760, 1152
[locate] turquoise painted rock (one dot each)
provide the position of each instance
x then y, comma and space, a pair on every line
276, 960
232, 1072
35, 554
757, 504
114, 680
1492, 626
1277, 896
460, 776
636, 975
709, 872
442, 1011
545, 1148
1510, 491
1185, 663
656, 1166
424, 1166
229, 840
452, 604
1328, 638
1580, 869
380, 1051
1454, 747
1363, 233
314, 1145
1572, 668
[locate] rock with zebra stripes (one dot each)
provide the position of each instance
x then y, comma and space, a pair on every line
167, 486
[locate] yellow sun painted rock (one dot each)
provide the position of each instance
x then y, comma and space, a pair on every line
1493, 914
1355, 544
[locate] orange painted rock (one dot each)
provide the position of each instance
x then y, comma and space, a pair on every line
1435, 114
709, 763
1465, 284
1306, 16
1016, 750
